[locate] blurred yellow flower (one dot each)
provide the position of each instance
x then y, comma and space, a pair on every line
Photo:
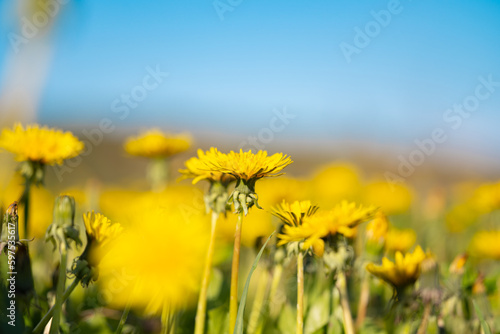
199, 168
155, 262
342, 219
458, 264
391, 198
122, 204
400, 240
334, 183
403, 272
273, 190
100, 229
486, 244
293, 213
157, 144
40, 144
376, 229
486, 198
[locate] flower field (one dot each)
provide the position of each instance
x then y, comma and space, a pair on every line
232, 242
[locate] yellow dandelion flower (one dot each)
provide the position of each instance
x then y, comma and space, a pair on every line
100, 229
293, 213
486, 244
156, 261
247, 165
44, 145
403, 272
199, 168
399, 240
157, 144
342, 219
247, 168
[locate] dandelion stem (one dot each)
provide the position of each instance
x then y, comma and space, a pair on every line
233, 299
157, 174
300, 293
278, 271
46, 318
202, 301
26, 201
61, 283
258, 303
363, 301
123, 319
422, 329
344, 302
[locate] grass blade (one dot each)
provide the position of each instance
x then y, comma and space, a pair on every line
238, 328
480, 315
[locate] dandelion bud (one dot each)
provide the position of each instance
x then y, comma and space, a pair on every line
63, 227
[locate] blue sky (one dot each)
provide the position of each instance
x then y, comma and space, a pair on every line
228, 75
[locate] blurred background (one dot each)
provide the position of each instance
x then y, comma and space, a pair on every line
323, 81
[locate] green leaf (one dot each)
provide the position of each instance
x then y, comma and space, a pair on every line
238, 328
318, 314
480, 315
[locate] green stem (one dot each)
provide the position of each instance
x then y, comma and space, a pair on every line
233, 299
26, 202
157, 174
258, 303
344, 302
61, 283
300, 293
123, 319
202, 301
46, 318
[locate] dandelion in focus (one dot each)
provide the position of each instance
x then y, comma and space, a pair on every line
246, 168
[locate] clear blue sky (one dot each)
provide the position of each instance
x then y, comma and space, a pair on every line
228, 75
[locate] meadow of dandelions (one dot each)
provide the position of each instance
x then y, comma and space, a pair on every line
234, 243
